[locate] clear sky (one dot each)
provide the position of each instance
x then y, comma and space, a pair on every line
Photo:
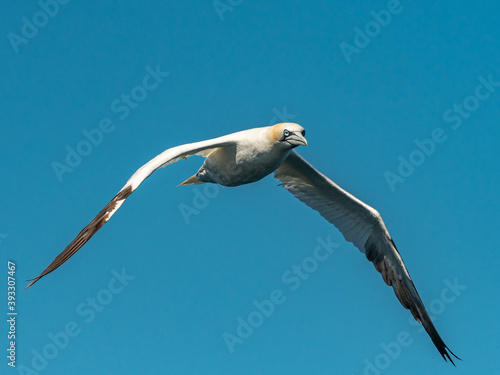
400, 103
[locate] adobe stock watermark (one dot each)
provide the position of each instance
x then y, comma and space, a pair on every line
281, 116
203, 194
426, 147
392, 351
223, 6
372, 29
122, 107
32, 25
292, 279
87, 311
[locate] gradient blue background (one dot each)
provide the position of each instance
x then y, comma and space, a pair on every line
192, 281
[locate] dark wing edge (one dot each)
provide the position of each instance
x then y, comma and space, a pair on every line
363, 226
167, 157
408, 296
86, 233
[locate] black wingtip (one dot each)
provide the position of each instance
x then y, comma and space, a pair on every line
446, 355
85, 234
33, 280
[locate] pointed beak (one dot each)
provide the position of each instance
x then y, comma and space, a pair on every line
296, 139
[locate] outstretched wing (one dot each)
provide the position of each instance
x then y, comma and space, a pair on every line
363, 226
203, 148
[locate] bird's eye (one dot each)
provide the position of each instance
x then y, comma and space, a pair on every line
286, 133
303, 132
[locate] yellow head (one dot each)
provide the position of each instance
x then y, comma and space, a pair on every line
288, 133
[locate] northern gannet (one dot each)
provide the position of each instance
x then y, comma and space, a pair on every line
248, 156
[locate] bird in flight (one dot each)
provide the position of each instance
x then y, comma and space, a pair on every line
250, 155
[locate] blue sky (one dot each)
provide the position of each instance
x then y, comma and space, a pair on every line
400, 103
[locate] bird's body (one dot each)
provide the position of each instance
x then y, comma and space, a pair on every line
248, 156
254, 155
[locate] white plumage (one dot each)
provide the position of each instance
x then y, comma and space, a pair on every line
248, 156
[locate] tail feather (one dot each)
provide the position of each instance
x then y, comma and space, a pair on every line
193, 180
